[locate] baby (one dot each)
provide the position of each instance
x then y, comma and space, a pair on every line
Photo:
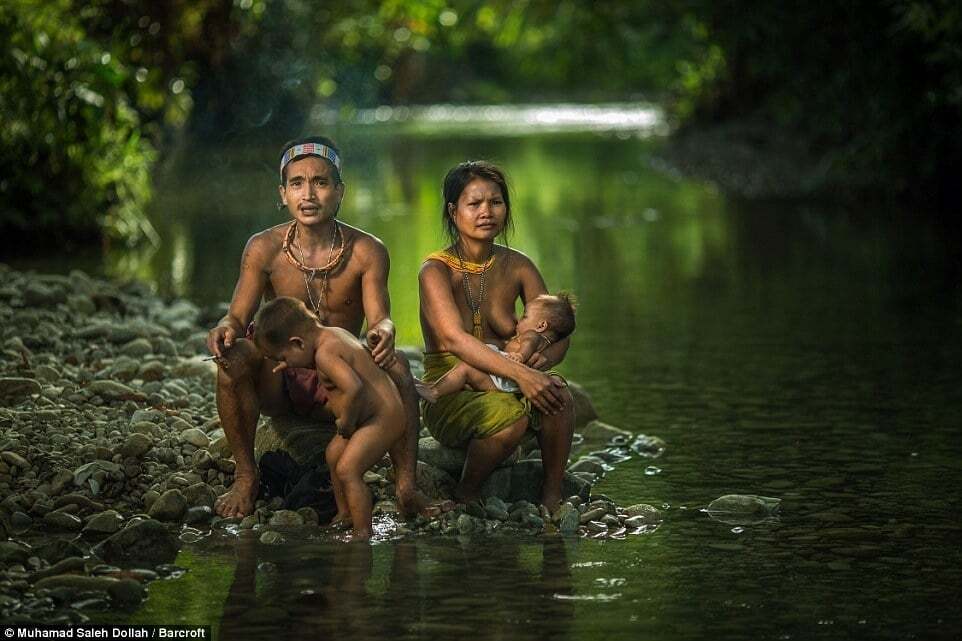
366, 404
548, 318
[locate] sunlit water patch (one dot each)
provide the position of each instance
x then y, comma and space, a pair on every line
640, 119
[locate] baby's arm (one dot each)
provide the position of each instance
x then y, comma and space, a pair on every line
521, 347
334, 365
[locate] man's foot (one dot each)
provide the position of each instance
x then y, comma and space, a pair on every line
238, 501
426, 391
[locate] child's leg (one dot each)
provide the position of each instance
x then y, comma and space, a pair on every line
333, 453
457, 378
365, 448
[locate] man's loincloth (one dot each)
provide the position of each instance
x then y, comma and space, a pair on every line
301, 386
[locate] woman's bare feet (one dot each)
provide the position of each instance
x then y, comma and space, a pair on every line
238, 501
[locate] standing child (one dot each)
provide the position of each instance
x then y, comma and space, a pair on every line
370, 415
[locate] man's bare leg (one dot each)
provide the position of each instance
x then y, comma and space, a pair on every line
244, 380
483, 456
332, 455
404, 452
456, 379
555, 441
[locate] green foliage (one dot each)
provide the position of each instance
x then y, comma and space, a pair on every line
71, 156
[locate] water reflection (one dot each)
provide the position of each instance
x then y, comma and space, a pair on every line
455, 589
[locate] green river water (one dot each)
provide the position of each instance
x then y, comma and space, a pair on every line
788, 350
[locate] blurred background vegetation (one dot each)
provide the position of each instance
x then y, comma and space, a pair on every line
94, 92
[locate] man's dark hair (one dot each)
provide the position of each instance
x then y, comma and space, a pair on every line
458, 178
559, 312
317, 140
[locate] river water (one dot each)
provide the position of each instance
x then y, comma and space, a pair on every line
791, 350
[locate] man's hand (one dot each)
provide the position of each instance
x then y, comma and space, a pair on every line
381, 343
220, 339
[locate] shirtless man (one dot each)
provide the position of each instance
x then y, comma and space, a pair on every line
340, 273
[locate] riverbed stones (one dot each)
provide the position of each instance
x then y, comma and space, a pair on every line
643, 514
136, 445
62, 521
147, 542
15, 389
122, 591
198, 515
195, 437
169, 506
200, 494
597, 434
106, 522
113, 391
286, 518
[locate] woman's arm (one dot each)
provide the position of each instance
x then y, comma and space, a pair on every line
441, 313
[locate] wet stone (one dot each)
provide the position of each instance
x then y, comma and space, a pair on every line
286, 518
198, 515
106, 522
170, 506
271, 538
136, 446
62, 521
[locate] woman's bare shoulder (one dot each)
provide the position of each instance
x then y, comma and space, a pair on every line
517, 260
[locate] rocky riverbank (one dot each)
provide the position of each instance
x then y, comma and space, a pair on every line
111, 453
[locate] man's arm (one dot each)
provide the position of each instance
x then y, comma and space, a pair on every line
250, 286
377, 302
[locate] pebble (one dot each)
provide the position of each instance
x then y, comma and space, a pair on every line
286, 518
271, 538
62, 521
195, 437
136, 445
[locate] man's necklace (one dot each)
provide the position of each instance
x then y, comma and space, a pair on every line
475, 308
310, 272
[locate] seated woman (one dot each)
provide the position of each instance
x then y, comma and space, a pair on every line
468, 296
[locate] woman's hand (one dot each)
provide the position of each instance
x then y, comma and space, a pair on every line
544, 392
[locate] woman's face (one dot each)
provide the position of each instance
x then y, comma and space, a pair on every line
480, 211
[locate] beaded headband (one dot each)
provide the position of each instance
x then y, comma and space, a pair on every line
310, 149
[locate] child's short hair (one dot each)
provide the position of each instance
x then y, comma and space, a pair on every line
559, 312
280, 319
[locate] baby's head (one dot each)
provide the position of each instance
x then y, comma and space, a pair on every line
281, 331
551, 315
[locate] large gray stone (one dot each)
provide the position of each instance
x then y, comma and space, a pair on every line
136, 445
200, 494
107, 522
305, 439
584, 409
527, 477
597, 435
121, 591
143, 543
451, 459
14, 390
170, 506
